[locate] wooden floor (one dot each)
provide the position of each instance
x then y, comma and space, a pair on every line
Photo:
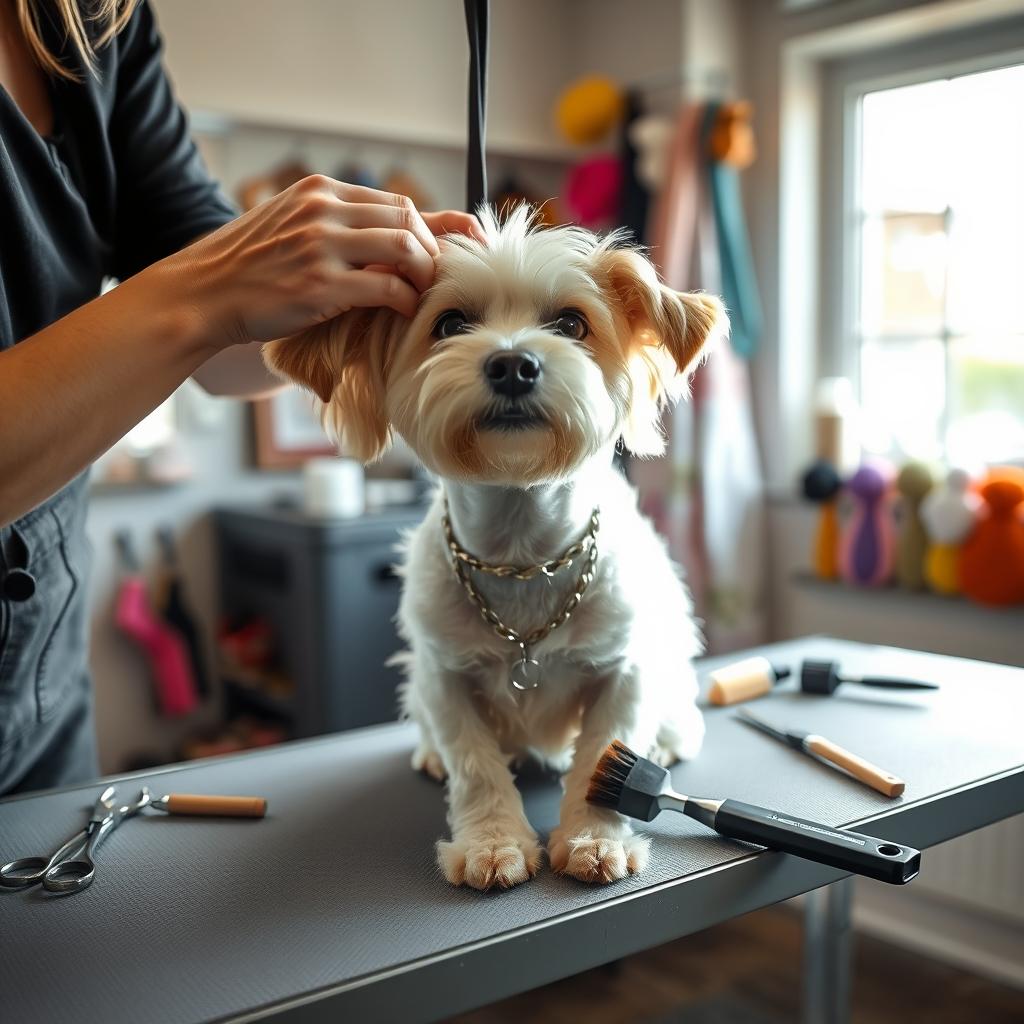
754, 962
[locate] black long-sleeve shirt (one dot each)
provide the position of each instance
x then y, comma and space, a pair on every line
118, 184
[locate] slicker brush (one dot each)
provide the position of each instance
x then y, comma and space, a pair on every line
640, 789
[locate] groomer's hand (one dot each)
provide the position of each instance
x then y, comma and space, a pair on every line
453, 222
309, 254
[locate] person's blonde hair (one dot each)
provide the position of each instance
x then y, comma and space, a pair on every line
108, 17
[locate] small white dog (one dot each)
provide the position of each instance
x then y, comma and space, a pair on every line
529, 358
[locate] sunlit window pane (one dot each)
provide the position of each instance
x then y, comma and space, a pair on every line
940, 312
986, 399
904, 274
905, 148
986, 270
986, 182
903, 397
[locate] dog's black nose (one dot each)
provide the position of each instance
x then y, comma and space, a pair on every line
512, 373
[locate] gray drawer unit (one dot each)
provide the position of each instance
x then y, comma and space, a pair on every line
329, 592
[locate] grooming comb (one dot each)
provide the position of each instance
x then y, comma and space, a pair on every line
821, 748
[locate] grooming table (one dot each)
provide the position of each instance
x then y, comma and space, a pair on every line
331, 908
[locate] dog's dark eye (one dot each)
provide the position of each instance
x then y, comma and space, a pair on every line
571, 324
450, 323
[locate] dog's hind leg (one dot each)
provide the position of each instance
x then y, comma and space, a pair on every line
681, 729
679, 737
425, 758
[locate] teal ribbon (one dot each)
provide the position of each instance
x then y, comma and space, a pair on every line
739, 282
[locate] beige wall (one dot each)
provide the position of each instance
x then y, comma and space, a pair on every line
398, 67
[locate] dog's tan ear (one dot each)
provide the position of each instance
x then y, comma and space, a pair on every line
669, 331
305, 359
679, 322
344, 362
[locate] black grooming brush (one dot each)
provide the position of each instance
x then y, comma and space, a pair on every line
638, 788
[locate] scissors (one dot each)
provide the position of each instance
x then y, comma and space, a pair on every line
71, 868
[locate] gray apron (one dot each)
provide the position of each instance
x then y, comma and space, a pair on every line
47, 735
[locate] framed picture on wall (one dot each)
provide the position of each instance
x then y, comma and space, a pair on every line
287, 430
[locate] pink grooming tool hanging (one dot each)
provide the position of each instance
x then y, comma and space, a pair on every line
163, 646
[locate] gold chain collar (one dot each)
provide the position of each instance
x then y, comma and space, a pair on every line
525, 673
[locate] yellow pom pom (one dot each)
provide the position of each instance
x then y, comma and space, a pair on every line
589, 109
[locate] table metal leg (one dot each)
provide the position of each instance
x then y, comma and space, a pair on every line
828, 941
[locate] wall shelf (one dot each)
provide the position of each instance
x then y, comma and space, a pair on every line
211, 123
243, 694
894, 598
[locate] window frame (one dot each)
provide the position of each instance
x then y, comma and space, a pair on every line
845, 82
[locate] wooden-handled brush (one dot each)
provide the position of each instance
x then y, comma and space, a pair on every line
640, 789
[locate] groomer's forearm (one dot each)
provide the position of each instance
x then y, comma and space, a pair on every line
74, 389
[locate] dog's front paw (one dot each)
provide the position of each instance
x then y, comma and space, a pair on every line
596, 855
489, 859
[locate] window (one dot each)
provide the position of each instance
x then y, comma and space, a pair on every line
935, 267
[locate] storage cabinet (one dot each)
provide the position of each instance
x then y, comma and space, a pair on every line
328, 592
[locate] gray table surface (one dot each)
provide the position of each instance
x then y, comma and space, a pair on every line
332, 908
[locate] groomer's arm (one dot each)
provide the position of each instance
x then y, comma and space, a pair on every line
72, 390
302, 258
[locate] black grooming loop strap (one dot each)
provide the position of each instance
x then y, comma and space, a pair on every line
476, 163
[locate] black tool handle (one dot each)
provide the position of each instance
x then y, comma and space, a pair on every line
477, 15
850, 851
889, 683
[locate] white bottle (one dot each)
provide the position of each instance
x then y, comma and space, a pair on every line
948, 512
950, 509
836, 423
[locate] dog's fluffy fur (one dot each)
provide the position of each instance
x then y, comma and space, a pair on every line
621, 666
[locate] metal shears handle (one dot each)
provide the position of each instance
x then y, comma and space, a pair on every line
30, 870
78, 871
71, 868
